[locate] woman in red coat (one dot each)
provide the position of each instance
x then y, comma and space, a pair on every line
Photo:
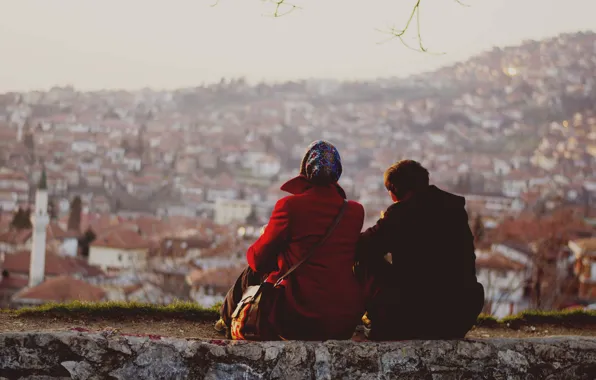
321, 299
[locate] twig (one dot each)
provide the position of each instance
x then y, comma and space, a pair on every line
393, 35
400, 33
217, 2
418, 29
403, 31
279, 4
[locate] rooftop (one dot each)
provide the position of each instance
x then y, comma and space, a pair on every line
55, 265
498, 262
60, 289
123, 238
586, 245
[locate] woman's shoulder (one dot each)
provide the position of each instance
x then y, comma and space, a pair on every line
301, 200
355, 205
357, 210
283, 202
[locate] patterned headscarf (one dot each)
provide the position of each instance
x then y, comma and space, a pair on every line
321, 164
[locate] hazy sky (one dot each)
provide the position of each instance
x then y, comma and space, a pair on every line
94, 44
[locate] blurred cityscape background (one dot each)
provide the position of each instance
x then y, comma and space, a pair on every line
154, 195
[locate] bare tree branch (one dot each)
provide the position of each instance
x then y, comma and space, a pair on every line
400, 33
392, 31
422, 48
279, 4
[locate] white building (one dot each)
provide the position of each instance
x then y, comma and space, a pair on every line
261, 164
515, 252
9, 200
515, 187
501, 167
189, 211
40, 220
504, 283
119, 250
267, 167
227, 211
133, 163
84, 146
116, 154
69, 247
215, 193
10, 180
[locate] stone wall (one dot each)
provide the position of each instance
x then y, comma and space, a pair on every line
65, 355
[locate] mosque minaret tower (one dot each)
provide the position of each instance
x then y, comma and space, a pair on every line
40, 220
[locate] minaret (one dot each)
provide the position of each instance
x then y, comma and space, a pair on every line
39, 220
20, 133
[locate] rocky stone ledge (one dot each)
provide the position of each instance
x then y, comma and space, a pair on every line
76, 355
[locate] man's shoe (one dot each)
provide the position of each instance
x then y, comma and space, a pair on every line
366, 321
220, 327
366, 326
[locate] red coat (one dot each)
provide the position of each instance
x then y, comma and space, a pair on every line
323, 299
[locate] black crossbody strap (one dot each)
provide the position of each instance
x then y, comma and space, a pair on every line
313, 249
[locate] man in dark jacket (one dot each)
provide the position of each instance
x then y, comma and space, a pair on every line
428, 290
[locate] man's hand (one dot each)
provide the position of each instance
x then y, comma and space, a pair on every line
389, 258
373, 243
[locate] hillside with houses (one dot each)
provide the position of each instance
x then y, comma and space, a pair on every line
154, 195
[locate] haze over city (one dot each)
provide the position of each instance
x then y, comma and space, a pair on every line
147, 147
148, 43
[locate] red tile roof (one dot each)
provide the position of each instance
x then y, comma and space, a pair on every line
127, 290
13, 176
4, 222
123, 238
14, 283
54, 265
54, 231
97, 222
62, 289
14, 236
217, 277
151, 226
497, 261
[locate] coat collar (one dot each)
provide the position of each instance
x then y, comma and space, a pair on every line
301, 184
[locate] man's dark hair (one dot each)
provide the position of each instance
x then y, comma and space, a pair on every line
405, 176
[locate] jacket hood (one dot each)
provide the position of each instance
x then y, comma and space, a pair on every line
444, 199
301, 184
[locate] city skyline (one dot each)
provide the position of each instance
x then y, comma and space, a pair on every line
155, 197
137, 44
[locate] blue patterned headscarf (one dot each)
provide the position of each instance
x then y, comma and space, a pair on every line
321, 164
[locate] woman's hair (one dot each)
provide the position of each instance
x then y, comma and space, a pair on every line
321, 164
405, 176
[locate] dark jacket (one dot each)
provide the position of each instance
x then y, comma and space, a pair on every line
432, 251
323, 300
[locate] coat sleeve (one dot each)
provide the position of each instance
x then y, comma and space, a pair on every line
262, 255
374, 242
